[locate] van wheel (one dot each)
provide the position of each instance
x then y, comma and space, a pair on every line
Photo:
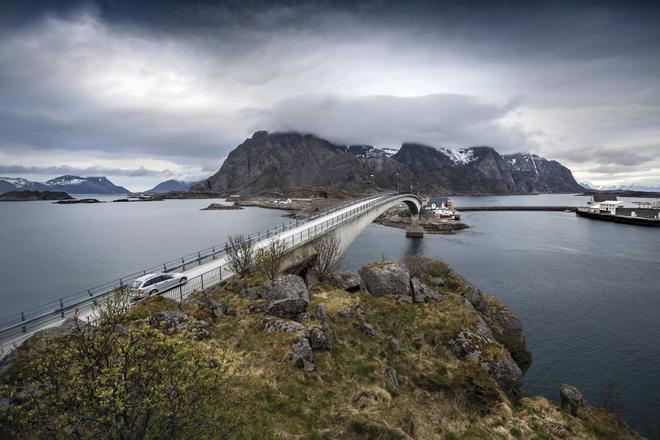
183, 281
153, 292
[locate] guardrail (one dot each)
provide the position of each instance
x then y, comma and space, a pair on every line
39, 317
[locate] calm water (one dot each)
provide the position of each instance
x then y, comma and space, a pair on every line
587, 292
49, 250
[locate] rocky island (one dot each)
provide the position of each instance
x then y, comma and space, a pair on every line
23, 196
401, 350
221, 207
432, 224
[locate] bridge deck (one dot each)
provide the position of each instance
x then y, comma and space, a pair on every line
200, 276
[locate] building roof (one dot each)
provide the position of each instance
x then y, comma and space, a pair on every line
600, 197
437, 200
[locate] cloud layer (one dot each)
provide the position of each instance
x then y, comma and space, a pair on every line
141, 91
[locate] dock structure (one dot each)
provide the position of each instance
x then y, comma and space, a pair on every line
623, 215
517, 208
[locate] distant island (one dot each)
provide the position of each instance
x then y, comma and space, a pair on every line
623, 193
25, 196
67, 183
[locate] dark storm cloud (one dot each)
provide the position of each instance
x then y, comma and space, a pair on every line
184, 82
439, 120
88, 171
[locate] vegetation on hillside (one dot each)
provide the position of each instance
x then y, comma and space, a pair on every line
128, 378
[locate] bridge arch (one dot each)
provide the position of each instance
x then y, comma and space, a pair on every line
349, 230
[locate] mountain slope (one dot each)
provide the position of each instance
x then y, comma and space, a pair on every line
171, 185
67, 183
284, 162
270, 163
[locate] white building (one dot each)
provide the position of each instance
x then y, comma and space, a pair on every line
609, 206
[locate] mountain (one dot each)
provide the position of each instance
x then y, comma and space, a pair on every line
630, 187
67, 183
275, 163
270, 163
171, 185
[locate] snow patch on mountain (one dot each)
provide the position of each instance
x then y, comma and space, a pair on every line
462, 156
18, 182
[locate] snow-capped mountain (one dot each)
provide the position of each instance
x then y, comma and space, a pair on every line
367, 151
67, 183
171, 185
629, 187
285, 162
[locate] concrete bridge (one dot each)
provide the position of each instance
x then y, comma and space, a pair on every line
210, 266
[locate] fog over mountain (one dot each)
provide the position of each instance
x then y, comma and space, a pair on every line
151, 91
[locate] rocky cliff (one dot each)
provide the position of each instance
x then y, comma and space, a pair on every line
283, 162
286, 162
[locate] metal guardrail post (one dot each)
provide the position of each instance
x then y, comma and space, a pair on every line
62, 307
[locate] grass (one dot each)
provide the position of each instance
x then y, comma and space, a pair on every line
363, 390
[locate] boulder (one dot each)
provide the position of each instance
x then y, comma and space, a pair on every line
237, 287
199, 330
289, 308
506, 373
386, 278
302, 355
437, 282
422, 292
169, 321
284, 287
571, 399
395, 345
347, 281
275, 325
356, 312
366, 328
470, 344
311, 278
508, 324
302, 267
320, 338
217, 308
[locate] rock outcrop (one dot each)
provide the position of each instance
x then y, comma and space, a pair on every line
571, 399
389, 278
347, 281
284, 287
215, 307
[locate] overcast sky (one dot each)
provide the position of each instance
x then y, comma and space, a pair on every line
146, 91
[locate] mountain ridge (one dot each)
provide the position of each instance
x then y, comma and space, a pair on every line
67, 183
286, 162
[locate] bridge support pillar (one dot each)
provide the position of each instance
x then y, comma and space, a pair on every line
414, 230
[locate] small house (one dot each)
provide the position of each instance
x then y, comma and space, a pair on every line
440, 206
439, 203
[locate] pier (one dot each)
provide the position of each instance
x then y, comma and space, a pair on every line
516, 208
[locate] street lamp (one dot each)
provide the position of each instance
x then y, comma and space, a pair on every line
411, 184
397, 183
373, 185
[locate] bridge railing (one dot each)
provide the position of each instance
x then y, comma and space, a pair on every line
52, 312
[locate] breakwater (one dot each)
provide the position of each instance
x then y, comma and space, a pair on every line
516, 208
